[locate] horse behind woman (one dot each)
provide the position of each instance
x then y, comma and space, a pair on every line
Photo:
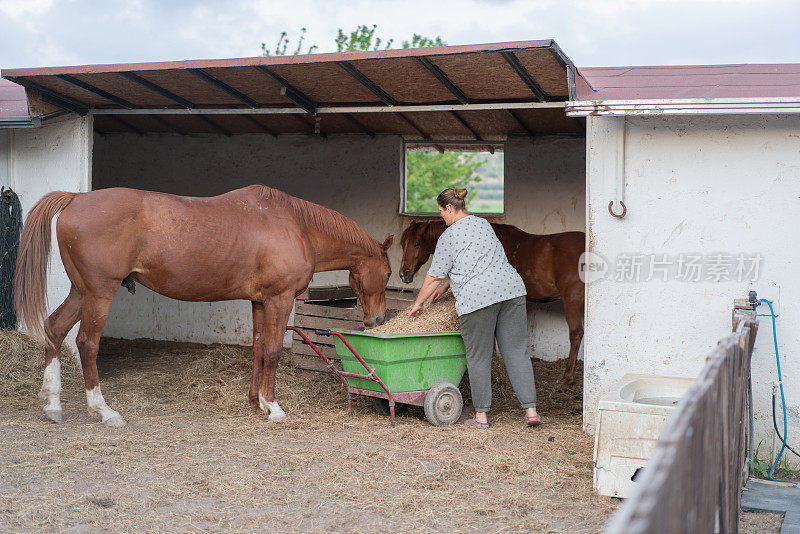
255, 243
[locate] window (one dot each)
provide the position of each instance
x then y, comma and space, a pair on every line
431, 168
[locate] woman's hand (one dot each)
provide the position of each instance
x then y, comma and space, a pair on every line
425, 292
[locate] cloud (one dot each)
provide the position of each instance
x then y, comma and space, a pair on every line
592, 33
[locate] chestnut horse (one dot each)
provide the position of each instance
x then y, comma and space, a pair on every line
548, 264
255, 243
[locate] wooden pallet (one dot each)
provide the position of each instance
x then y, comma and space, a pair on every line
314, 309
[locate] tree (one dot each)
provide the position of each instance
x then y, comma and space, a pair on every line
429, 173
283, 43
361, 39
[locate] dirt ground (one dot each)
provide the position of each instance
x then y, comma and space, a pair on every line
194, 456
760, 523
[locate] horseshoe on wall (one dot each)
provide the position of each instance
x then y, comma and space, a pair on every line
611, 211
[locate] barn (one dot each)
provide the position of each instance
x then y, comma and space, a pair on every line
705, 160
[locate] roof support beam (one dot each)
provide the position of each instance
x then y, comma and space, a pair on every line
258, 123
359, 124
290, 92
442, 77
315, 124
125, 124
475, 134
241, 97
168, 124
337, 109
157, 89
51, 97
366, 82
522, 72
214, 125
422, 132
92, 89
520, 122
466, 125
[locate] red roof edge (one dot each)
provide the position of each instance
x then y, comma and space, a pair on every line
278, 60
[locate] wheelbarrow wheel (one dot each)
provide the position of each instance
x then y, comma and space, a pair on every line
443, 404
382, 405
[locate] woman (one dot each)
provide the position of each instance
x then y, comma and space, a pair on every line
490, 302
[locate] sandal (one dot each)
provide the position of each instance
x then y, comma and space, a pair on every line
476, 424
533, 420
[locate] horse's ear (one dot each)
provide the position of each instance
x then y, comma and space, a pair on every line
388, 242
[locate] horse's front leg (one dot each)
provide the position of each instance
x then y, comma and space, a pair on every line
276, 315
258, 353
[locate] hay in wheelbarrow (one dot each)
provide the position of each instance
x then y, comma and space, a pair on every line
439, 316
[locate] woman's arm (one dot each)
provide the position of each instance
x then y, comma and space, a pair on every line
426, 291
441, 290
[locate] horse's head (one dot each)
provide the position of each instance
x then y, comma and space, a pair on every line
368, 278
417, 247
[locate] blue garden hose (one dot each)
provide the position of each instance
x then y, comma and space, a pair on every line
783, 438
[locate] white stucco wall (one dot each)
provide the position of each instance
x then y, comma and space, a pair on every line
35, 161
356, 175
694, 185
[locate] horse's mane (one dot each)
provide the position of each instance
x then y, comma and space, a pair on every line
433, 231
323, 219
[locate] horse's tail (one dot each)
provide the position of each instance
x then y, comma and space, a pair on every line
30, 277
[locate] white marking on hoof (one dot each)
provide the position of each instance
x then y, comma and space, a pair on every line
54, 415
51, 390
115, 422
96, 404
272, 408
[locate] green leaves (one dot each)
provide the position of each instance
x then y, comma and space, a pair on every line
283, 43
429, 173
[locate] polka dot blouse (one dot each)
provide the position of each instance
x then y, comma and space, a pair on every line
469, 253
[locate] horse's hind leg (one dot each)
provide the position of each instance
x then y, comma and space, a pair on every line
56, 328
276, 314
573, 312
258, 352
93, 318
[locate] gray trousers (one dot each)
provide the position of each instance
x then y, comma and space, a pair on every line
508, 322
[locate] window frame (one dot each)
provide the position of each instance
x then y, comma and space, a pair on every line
434, 215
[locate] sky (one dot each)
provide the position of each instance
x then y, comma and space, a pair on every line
38, 33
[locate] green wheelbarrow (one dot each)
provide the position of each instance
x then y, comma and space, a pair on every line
416, 369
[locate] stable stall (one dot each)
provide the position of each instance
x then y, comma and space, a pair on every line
329, 128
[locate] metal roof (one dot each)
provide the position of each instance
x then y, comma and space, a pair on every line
14, 106
471, 93
689, 82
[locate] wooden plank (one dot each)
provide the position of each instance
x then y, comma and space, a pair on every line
791, 522
330, 293
398, 304
307, 321
312, 363
298, 347
333, 312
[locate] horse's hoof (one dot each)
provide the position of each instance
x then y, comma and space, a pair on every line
54, 415
277, 418
115, 422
